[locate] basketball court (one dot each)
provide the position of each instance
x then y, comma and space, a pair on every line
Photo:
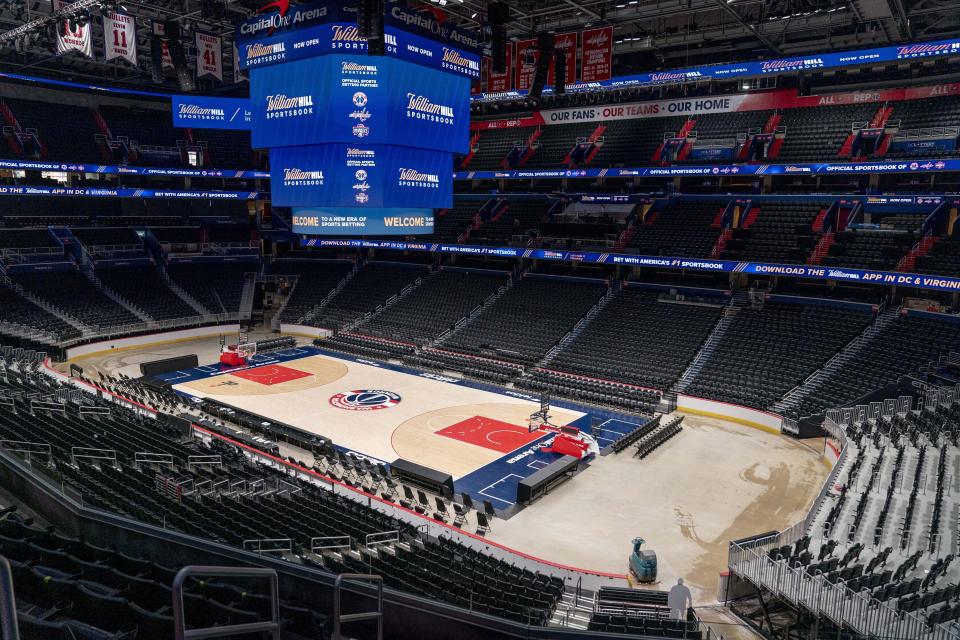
716, 481
478, 434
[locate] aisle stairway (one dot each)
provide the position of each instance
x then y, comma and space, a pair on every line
719, 331
796, 395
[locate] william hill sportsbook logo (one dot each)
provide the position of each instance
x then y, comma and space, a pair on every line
421, 108
413, 178
299, 178
452, 59
361, 158
347, 37
354, 68
259, 53
281, 106
195, 112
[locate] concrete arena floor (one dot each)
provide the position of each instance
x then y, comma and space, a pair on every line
713, 482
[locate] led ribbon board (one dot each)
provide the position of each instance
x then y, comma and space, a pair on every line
915, 280
211, 113
373, 221
320, 28
822, 168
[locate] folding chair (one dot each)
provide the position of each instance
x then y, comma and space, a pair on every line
483, 525
461, 515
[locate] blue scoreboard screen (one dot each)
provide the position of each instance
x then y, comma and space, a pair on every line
359, 99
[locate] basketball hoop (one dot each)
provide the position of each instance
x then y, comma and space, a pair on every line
540, 419
237, 355
534, 422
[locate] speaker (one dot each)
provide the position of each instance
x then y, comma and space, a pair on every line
559, 72
541, 73
179, 58
545, 41
370, 25
498, 49
498, 14
156, 59
171, 29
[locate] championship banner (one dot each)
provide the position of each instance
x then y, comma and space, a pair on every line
71, 36
595, 70
566, 42
524, 73
209, 56
497, 82
596, 64
166, 59
120, 37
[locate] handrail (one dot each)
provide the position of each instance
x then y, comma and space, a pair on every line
179, 623
8, 605
339, 618
837, 602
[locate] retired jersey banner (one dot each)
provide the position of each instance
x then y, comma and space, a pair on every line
524, 75
566, 42
597, 62
71, 35
209, 56
120, 37
497, 82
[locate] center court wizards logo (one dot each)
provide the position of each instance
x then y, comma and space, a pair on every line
365, 400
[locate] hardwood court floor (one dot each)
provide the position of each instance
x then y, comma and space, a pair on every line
303, 393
